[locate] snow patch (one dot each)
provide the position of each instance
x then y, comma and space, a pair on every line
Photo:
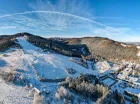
138, 47
102, 66
125, 45
138, 54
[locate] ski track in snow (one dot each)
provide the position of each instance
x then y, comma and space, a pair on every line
50, 65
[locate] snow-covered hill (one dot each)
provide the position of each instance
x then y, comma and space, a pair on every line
41, 71
32, 62
47, 64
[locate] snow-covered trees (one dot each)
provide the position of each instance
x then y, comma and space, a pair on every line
64, 95
6, 42
96, 92
38, 98
52, 45
61, 93
13, 77
83, 87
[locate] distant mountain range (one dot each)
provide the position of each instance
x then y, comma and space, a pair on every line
136, 43
92, 48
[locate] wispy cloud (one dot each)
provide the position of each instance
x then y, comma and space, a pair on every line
7, 27
108, 17
62, 16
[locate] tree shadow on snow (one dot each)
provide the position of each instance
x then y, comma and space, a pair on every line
2, 63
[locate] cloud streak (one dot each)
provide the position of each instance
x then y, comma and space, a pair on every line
64, 14
70, 17
53, 12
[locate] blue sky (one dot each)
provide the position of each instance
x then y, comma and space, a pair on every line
115, 19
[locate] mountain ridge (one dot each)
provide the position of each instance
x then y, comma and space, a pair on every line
92, 48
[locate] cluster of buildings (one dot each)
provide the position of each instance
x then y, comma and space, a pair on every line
124, 79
